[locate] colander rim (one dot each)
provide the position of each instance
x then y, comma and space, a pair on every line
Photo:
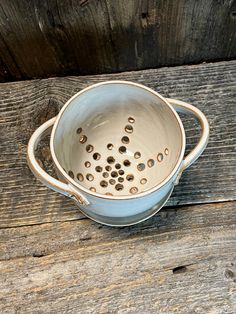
117, 197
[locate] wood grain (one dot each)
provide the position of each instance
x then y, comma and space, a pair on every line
58, 37
26, 105
53, 260
180, 261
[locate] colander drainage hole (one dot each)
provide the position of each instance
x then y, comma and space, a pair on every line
118, 166
133, 190
80, 177
110, 160
160, 157
120, 179
166, 151
127, 163
150, 163
105, 174
122, 149
131, 120
119, 187
96, 156
92, 189
89, 177
108, 168
103, 184
83, 139
121, 172
112, 181
130, 177
140, 167
114, 174
129, 128
87, 164
108, 193
79, 130
143, 181
89, 148
98, 169
125, 140
71, 174
110, 146
137, 155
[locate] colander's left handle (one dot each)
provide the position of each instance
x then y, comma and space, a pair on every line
43, 176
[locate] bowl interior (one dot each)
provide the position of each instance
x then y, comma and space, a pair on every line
118, 139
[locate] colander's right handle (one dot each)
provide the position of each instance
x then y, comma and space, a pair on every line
43, 176
181, 106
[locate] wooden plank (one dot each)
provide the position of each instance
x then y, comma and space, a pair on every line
48, 38
26, 105
180, 261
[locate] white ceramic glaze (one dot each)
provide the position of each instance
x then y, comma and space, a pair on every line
118, 149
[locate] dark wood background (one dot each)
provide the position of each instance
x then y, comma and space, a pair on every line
60, 37
52, 258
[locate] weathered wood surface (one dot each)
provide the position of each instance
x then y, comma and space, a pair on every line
26, 105
53, 260
180, 261
58, 37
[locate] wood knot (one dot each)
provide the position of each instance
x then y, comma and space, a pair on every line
144, 15
229, 274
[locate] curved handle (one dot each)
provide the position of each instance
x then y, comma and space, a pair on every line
44, 177
183, 107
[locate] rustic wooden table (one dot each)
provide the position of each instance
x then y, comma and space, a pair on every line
54, 260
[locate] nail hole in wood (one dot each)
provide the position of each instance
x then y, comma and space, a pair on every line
179, 269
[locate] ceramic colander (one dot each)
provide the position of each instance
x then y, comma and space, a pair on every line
118, 149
